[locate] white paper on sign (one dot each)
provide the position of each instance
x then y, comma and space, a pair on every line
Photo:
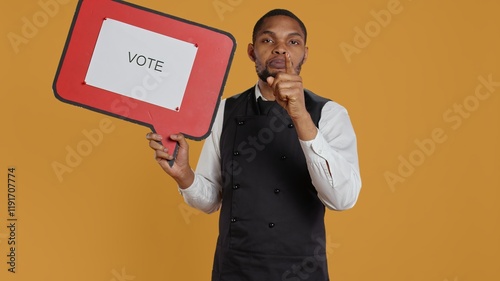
141, 64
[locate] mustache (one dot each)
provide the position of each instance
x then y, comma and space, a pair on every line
264, 73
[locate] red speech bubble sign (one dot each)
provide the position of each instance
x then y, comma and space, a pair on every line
146, 67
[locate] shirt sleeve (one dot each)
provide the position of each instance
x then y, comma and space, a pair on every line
205, 192
332, 159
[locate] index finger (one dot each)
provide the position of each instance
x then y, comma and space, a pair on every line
289, 65
153, 136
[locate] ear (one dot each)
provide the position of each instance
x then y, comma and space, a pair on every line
251, 52
306, 53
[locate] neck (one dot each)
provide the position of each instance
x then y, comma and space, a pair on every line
266, 90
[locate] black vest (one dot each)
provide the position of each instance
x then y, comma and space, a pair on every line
271, 224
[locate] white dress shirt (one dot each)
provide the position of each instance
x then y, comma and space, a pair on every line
332, 161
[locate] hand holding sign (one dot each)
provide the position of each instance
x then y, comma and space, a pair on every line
146, 67
181, 172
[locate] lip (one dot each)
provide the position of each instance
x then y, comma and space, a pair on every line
277, 63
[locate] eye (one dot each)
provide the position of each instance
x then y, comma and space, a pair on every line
267, 40
295, 42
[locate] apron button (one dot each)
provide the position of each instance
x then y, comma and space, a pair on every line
271, 225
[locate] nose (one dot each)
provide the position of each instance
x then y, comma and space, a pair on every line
280, 49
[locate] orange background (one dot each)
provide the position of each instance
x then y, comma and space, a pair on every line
428, 148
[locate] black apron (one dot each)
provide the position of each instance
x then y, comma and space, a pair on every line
271, 222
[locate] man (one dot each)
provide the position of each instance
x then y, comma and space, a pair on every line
277, 155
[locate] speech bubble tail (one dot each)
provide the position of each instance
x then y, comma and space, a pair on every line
172, 147
176, 150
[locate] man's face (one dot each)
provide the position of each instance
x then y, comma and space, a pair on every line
278, 36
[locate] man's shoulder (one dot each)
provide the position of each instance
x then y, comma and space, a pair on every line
327, 102
309, 94
315, 97
248, 92
242, 95
233, 104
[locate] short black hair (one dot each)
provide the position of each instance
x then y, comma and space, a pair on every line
277, 12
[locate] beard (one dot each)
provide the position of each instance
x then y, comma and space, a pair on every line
264, 73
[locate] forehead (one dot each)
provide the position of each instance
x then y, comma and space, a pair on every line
281, 24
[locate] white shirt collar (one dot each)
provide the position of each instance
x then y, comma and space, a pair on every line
258, 93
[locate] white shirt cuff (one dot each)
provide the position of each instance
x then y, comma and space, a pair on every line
190, 190
313, 147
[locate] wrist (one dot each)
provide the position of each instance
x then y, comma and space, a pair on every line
306, 129
186, 179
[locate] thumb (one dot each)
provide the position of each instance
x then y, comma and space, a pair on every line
270, 80
180, 139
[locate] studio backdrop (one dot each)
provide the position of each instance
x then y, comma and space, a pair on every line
82, 197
